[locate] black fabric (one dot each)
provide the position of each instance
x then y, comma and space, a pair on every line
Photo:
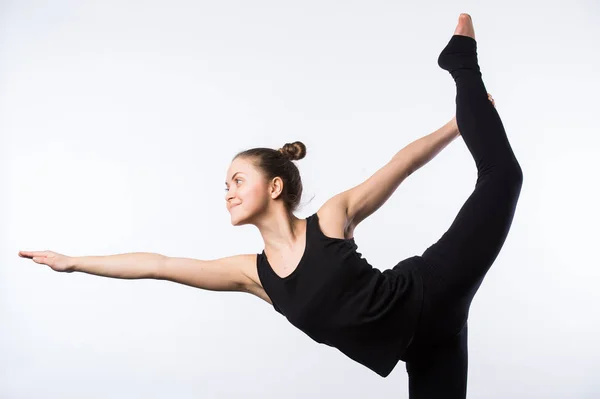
439, 370
338, 299
454, 267
417, 311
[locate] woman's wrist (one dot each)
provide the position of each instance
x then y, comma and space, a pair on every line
454, 126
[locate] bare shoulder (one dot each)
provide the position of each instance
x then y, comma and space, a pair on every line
246, 263
333, 218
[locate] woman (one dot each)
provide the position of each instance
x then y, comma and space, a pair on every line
311, 272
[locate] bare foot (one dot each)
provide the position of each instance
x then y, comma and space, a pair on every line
465, 26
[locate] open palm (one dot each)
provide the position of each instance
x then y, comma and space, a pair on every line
56, 261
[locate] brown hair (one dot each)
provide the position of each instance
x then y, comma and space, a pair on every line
278, 163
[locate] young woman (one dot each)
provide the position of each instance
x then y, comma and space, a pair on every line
310, 270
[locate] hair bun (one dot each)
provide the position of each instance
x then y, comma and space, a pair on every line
294, 151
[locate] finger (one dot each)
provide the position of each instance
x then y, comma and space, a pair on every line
29, 254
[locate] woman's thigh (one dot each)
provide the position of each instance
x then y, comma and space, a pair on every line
455, 266
440, 370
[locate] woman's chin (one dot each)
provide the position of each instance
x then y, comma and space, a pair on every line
241, 216
236, 220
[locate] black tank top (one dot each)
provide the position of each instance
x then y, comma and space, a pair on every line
338, 299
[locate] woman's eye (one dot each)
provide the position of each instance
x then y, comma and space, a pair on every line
236, 180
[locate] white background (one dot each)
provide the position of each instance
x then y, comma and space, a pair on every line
118, 120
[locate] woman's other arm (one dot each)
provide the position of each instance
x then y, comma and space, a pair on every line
364, 199
423, 150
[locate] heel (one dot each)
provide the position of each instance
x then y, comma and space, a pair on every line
459, 54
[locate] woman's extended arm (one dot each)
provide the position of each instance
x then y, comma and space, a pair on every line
225, 274
231, 273
135, 265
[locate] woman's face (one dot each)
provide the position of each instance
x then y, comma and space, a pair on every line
246, 192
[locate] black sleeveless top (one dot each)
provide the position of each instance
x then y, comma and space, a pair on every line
338, 299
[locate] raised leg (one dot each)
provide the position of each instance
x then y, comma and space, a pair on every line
459, 260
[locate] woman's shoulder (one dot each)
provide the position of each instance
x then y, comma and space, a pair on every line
332, 222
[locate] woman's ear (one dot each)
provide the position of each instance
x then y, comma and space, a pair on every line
276, 187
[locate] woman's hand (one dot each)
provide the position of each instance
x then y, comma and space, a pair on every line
489, 98
56, 261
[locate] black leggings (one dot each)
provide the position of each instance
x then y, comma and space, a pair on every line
455, 266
